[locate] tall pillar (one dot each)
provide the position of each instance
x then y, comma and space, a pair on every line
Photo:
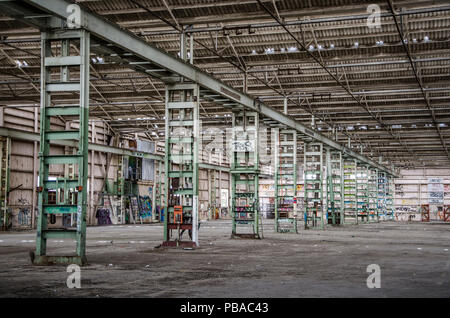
285, 180
350, 200
362, 194
181, 164
313, 163
335, 187
77, 187
244, 174
382, 194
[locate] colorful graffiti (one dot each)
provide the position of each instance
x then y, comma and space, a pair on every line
145, 210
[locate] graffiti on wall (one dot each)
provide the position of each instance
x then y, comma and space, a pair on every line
145, 210
435, 191
24, 216
446, 190
399, 190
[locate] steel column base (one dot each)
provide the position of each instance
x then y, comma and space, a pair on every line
287, 231
45, 260
294, 229
245, 236
179, 244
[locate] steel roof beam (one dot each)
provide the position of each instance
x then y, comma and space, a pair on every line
125, 40
335, 78
416, 75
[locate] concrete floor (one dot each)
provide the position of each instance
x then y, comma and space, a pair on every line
123, 262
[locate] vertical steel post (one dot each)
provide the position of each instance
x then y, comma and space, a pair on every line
76, 186
350, 200
276, 176
313, 167
362, 194
330, 211
182, 147
285, 180
382, 194
336, 187
372, 190
245, 172
5, 148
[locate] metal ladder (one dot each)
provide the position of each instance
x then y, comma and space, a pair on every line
5, 146
78, 185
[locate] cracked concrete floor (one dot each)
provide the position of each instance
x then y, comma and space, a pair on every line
123, 262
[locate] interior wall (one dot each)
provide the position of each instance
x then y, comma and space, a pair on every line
24, 167
24, 164
411, 190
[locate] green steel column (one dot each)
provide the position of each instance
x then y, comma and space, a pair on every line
181, 186
5, 148
195, 147
335, 193
256, 167
313, 168
233, 204
373, 193
285, 180
256, 215
160, 189
233, 165
350, 199
154, 190
382, 194
330, 190
121, 188
295, 180
245, 172
362, 191
389, 197
65, 84
44, 149
166, 167
212, 194
83, 143
276, 176
337, 185
342, 217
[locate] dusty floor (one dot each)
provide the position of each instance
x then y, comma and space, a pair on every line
414, 260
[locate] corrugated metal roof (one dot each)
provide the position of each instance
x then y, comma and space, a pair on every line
378, 72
